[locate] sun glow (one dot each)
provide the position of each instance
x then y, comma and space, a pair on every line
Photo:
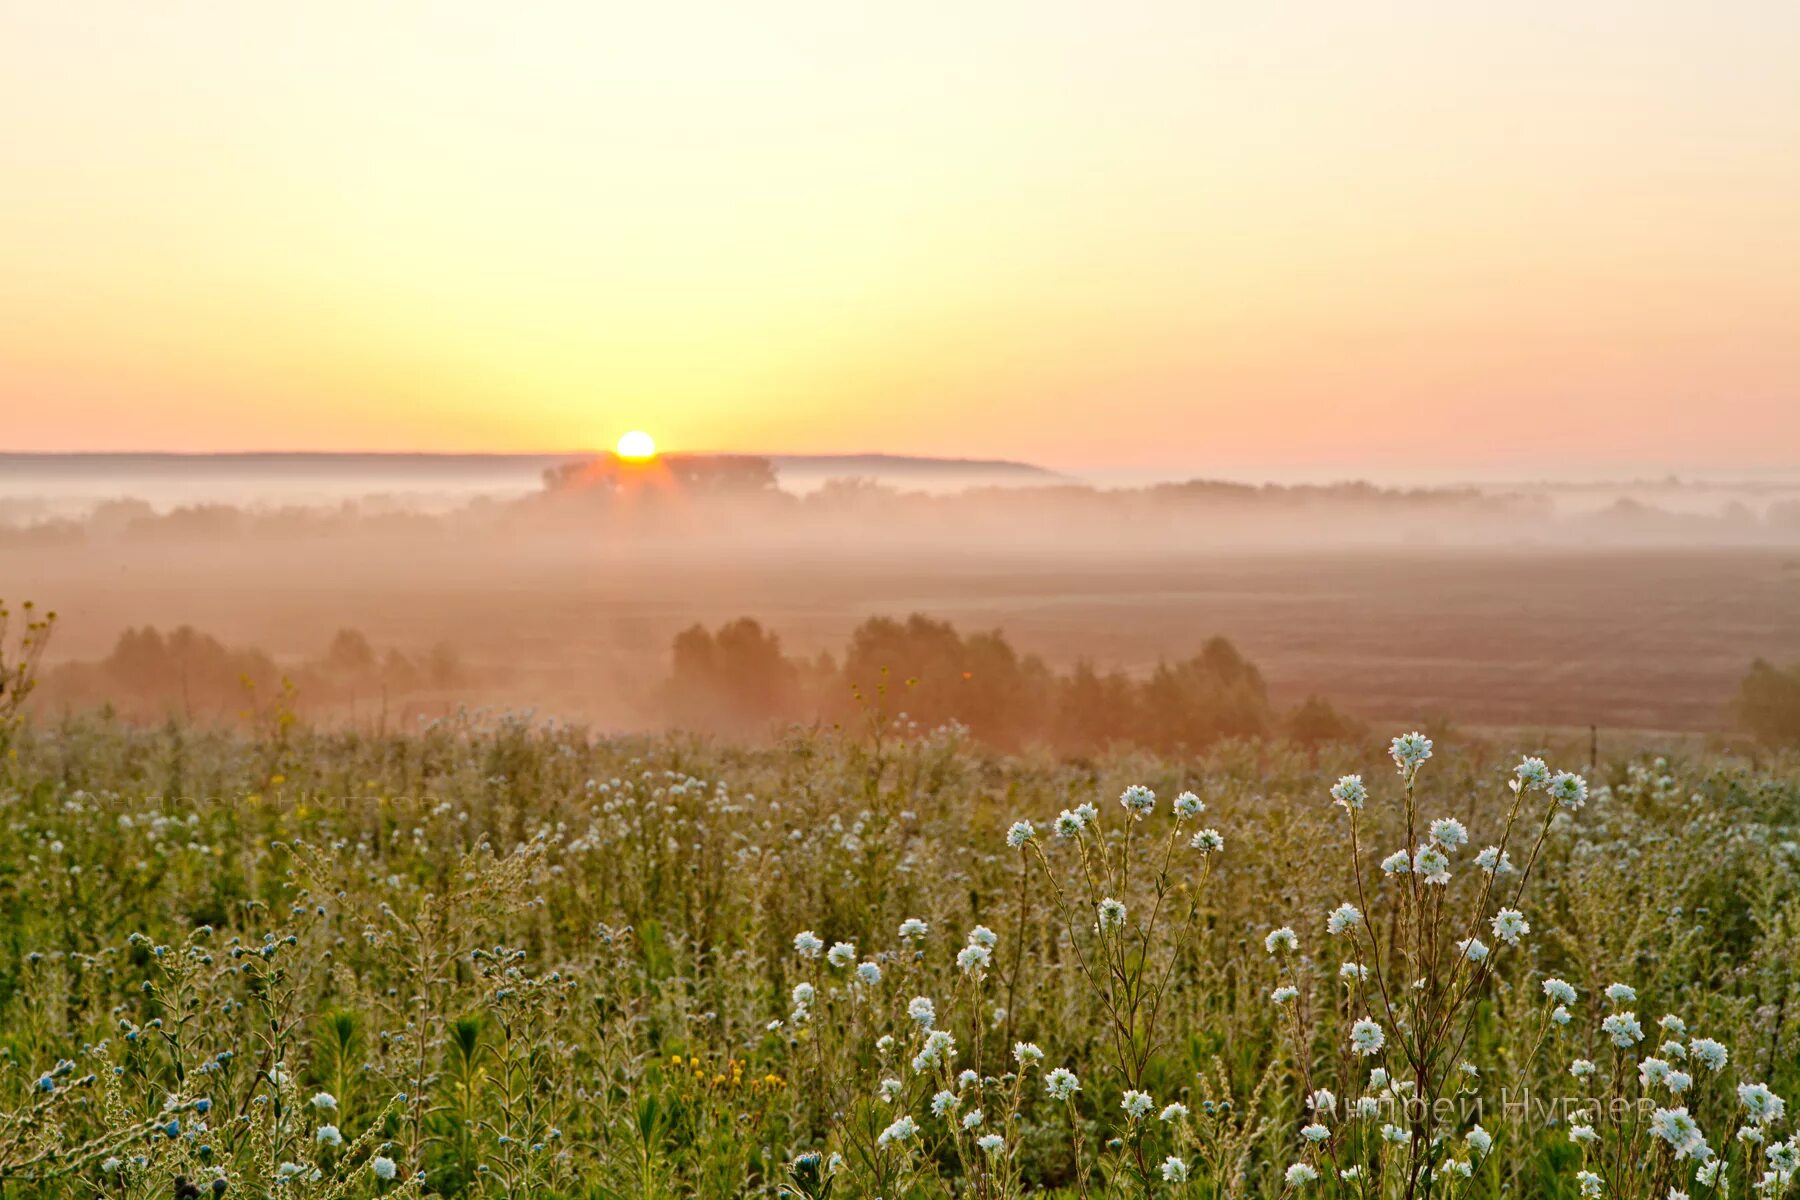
637, 446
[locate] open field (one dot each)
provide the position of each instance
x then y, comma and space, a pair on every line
513, 961
1623, 639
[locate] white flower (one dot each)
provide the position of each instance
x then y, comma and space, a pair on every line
1174, 1112
944, 1103
1432, 864
1532, 773
803, 995
1393, 1133
940, 1047
869, 973
1174, 1170
889, 1089
1027, 1053
1621, 993
1510, 925
1343, 918
1068, 824
1559, 990
1674, 1126
1020, 833
1583, 1135
973, 959
1472, 949
1590, 1184
1061, 1083
1652, 1071
1138, 800
1764, 1106
991, 1143
972, 1119
1188, 805
1449, 833
1623, 1029
325, 1101
1349, 792
984, 937
1397, 863
922, 1011
899, 1131
1284, 994
1352, 970
1314, 1133
1300, 1174
1366, 1036
1494, 860
1560, 1015
807, 944
1322, 1101
1679, 1082
1480, 1141
1581, 1068
1112, 913
1671, 1024
1409, 751
1281, 939
1207, 841
383, 1166
1088, 813
912, 928
1569, 790
328, 1135
1137, 1105
841, 954
1709, 1053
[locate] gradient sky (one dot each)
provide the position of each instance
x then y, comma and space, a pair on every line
1089, 234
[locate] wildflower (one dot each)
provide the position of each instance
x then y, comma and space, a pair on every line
1315, 1133
1410, 750
1061, 1083
1764, 1106
1472, 949
1088, 813
1620, 993
1020, 833
1494, 860
1207, 841
922, 1011
1284, 994
869, 973
1343, 918
1560, 1015
1366, 1036
1352, 970
1583, 1135
1531, 774
1457, 1167
1559, 990
973, 959
1674, 1126
944, 1103
1393, 1133
991, 1143
899, 1131
1623, 1029
1349, 792
1112, 913
1188, 805
984, 937
1027, 1053
803, 995
1433, 864
1711, 1054
968, 1079
1397, 863
1281, 939
328, 1135
1590, 1184
383, 1166
1138, 800
1322, 1101
1652, 1071
1068, 824
1367, 1106
912, 928
1671, 1024
1679, 1082
1581, 1068
1449, 833
807, 944
1510, 925
841, 954
1300, 1174
1480, 1141
1174, 1112
1137, 1105
1569, 790
889, 1089
939, 1047
1784, 1157
1174, 1170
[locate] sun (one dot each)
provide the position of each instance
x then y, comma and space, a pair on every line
637, 446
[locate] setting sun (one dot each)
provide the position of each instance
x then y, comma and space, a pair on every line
637, 446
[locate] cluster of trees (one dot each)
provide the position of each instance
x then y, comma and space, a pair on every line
1768, 703
736, 680
149, 672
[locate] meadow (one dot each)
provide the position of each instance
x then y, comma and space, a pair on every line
490, 956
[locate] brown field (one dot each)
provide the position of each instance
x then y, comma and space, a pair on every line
1638, 639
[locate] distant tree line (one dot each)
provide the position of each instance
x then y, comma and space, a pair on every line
736, 680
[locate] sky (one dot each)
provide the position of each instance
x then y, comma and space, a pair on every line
1126, 236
